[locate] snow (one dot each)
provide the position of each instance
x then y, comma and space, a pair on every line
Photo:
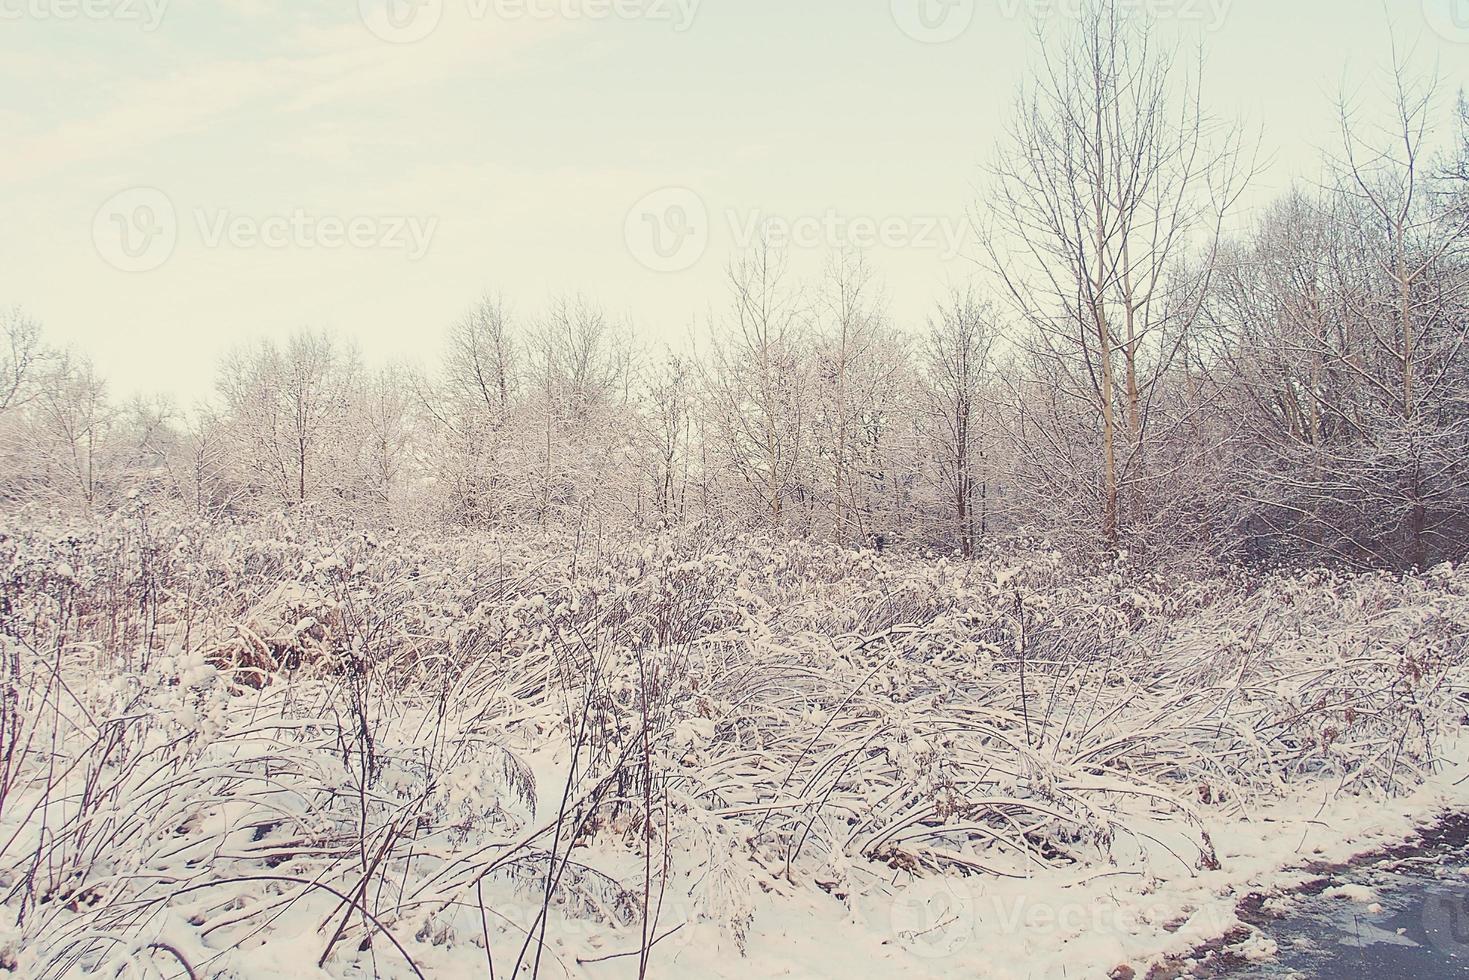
1056, 925
1360, 894
306, 751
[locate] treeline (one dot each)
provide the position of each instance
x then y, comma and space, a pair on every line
1137, 369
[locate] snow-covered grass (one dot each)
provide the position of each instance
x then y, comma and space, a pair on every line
295, 746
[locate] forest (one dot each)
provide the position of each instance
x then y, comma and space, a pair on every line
1138, 366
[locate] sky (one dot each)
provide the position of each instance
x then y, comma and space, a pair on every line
180, 177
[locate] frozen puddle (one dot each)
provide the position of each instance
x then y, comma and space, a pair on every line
1404, 915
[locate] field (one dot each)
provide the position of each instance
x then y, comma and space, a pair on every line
268, 749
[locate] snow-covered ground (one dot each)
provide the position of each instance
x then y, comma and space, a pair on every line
1084, 924
289, 749
1092, 923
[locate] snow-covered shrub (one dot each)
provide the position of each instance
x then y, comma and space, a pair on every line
410, 748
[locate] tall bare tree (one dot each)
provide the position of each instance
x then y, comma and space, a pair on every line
759, 387
289, 409
582, 363
667, 427
1108, 202
848, 352
957, 353
471, 404
73, 436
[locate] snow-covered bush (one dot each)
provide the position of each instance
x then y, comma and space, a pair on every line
400, 750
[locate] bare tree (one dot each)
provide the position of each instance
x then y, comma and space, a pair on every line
480, 365
289, 411
583, 360
957, 354
1458, 167
1108, 201
73, 430
583, 366
471, 405
758, 386
853, 328
198, 461
21, 357
384, 422
1342, 326
667, 429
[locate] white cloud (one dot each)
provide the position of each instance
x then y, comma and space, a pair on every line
338, 65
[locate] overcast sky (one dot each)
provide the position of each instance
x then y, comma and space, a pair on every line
179, 176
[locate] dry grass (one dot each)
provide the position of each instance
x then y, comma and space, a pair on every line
386, 746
